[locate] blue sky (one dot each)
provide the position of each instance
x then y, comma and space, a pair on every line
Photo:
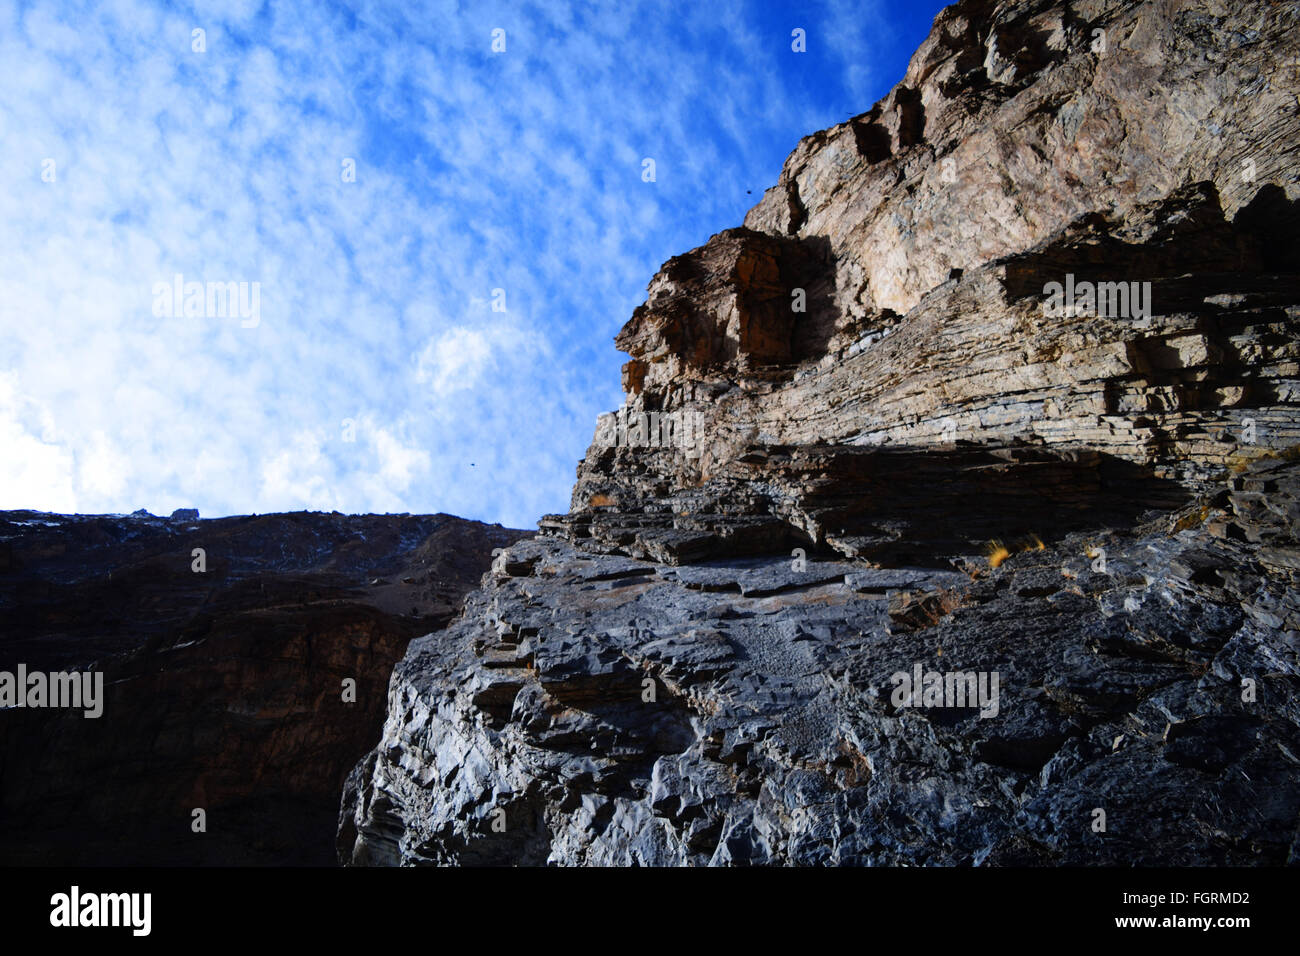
379, 371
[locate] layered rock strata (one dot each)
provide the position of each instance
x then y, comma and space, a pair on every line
870, 438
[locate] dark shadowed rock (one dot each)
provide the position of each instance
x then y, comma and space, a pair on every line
224, 687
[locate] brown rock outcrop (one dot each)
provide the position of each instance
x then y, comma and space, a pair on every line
894, 288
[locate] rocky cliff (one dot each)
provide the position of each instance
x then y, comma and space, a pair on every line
225, 645
951, 514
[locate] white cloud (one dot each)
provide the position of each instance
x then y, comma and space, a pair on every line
295, 477
399, 463
103, 470
36, 470
457, 359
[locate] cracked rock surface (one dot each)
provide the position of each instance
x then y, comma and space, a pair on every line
858, 452
602, 710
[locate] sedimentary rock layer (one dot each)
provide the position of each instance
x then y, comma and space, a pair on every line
869, 434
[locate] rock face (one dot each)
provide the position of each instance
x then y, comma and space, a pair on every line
223, 678
995, 394
608, 711
921, 237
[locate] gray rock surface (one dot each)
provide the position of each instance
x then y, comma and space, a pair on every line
607, 712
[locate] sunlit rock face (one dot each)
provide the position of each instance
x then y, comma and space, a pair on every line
971, 537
